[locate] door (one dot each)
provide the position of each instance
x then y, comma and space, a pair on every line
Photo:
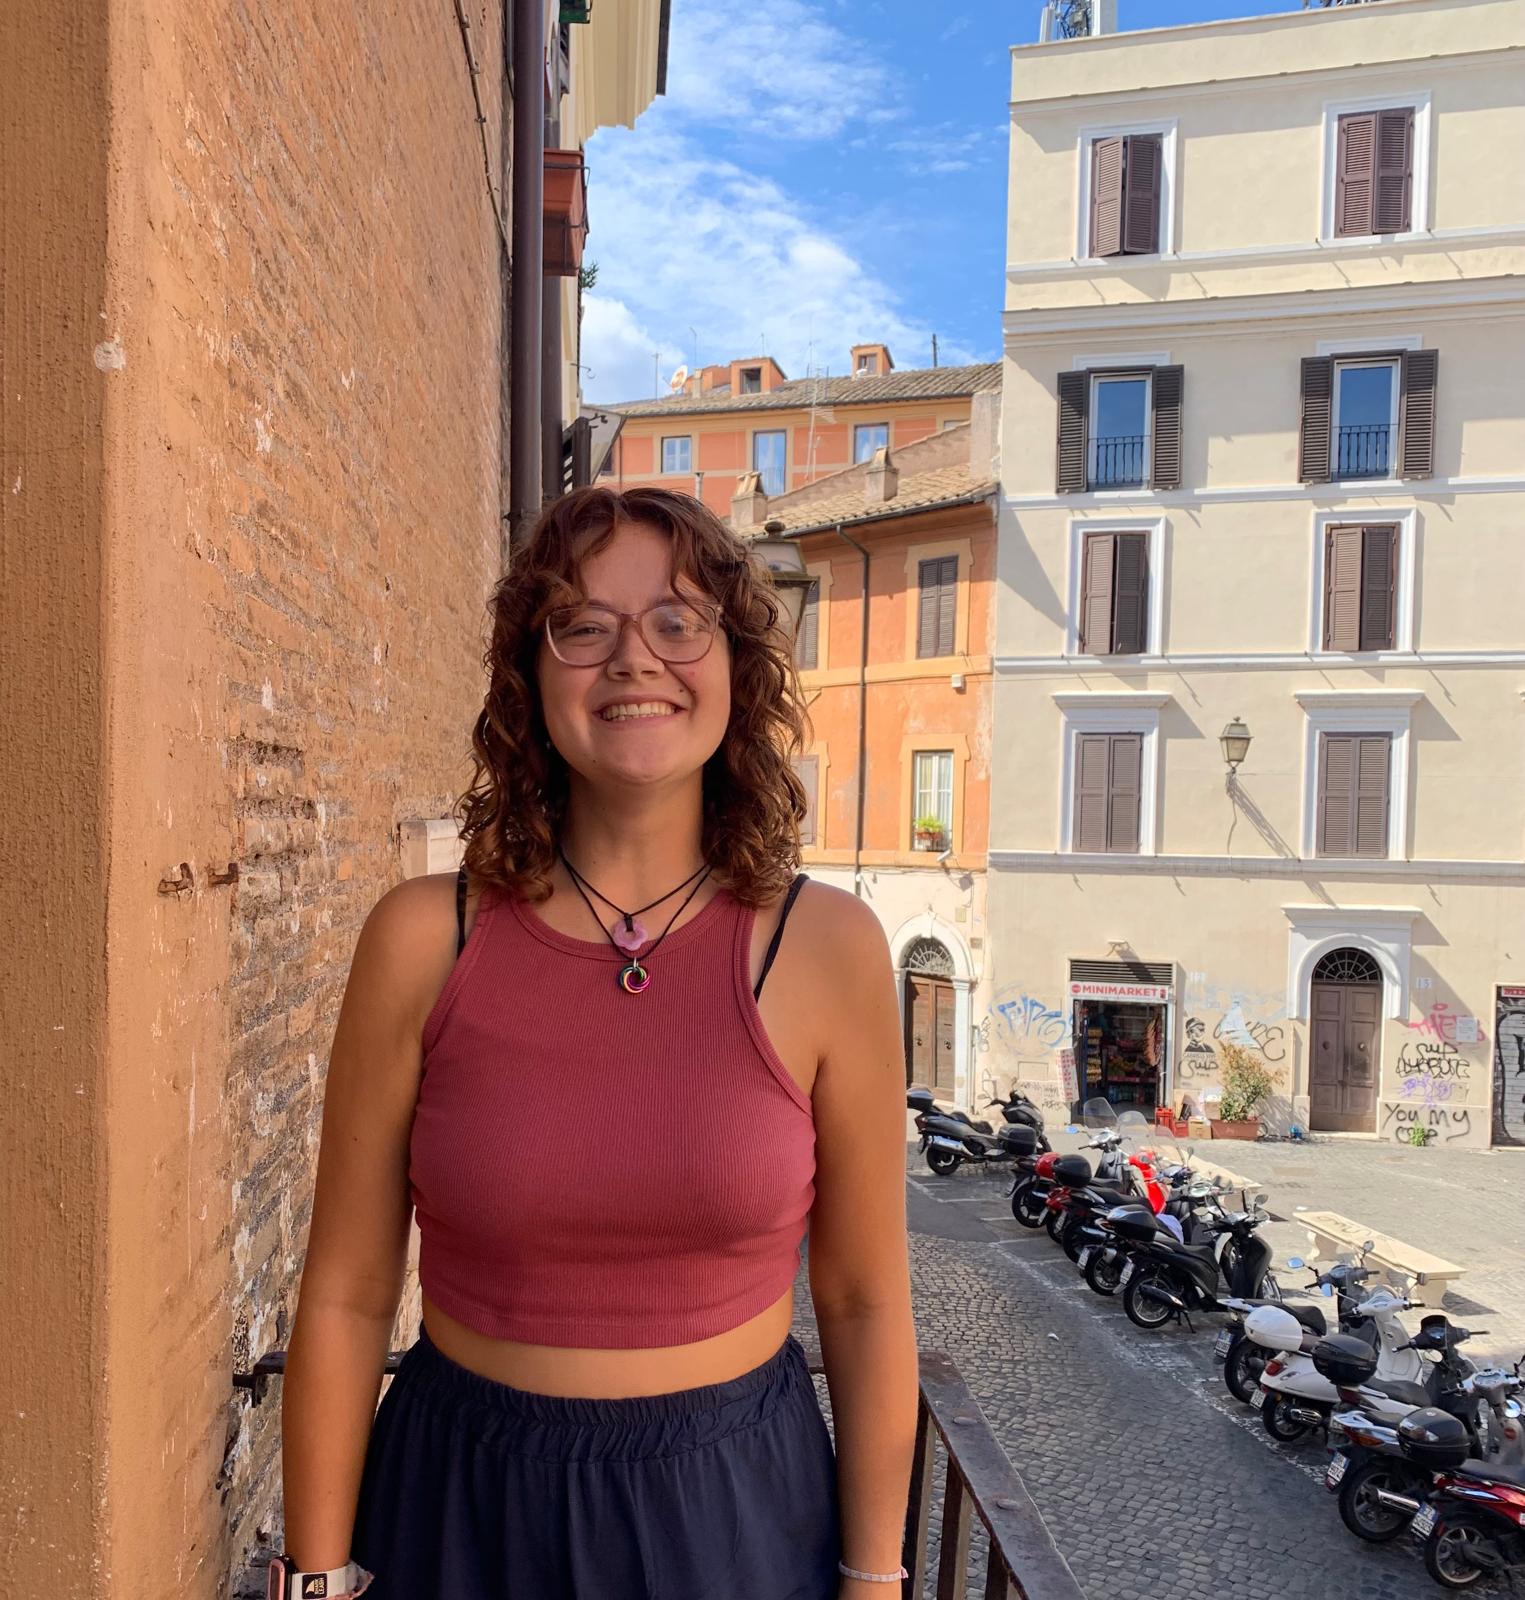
1509, 1066
929, 1033
1346, 1019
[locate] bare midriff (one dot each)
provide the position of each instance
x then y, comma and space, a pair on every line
606, 1374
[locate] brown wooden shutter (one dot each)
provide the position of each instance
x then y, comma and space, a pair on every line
1416, 406
947, 595
1074, 401
806, 641
1394, 174
1314, 431
1106, 197
1342, 589
926, 619
1091, 791
1131, 589
1336, 794
1127, 752
1096, 594
1378, 571
1369, 828
1165, 401
1355, 174
1141, 194
808, 769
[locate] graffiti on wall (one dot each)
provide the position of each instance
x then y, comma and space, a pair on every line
1424, 1124
1441, 1022
1433, 1072
1021, 1037
1267, 1039
1509, 1067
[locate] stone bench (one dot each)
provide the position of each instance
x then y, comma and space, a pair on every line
1329, 1228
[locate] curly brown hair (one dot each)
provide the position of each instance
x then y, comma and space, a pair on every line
511, 813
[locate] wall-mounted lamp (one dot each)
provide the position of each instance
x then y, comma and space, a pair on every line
1235, 744
786, 562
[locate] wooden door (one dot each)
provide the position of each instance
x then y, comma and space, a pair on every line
1346, 1020
929, 1053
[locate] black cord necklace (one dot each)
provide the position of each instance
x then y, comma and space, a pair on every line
633, 976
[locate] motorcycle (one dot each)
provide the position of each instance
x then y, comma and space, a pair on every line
1164, 1280
950, 1137
1104, 1249
1472, 1524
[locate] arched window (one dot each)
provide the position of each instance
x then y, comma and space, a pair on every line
929, 957
1347, 965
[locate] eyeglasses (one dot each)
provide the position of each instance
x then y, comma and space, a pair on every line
674, 630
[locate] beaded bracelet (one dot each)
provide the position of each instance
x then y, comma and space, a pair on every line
871, 1577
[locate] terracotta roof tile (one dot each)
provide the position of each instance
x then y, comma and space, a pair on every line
918, 383
915, 492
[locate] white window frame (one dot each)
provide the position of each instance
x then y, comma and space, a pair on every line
1154, 527
1166, 128
1403, 582
918, 756
1419, 189
1359, 711
1108, 712
1386, 933
859, 460
1341, 364
1147, 379
678, 438
752, 457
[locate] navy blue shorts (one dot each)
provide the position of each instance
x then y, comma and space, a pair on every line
473, 1490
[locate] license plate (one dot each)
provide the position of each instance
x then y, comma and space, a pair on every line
1335, 1471
1222, 1342
1126, 1276
1424, 1522
1258, 1399
1085, 1257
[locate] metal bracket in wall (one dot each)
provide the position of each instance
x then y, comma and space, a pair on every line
215, 878
183, 882
273, 1365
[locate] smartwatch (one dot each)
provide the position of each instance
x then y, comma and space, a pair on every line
286, 1581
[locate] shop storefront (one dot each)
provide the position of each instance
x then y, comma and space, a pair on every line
1123, 1034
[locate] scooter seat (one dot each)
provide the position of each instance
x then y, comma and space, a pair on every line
1113, 1196
1495, 1471
1309, 1317
1413, 1394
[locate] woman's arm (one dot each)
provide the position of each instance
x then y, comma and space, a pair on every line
859, 1272
357, 1245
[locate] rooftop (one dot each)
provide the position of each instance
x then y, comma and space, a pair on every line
917, 383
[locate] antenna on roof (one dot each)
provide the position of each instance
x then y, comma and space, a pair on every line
934, 349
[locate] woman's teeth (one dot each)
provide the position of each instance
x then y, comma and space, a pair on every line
650, 708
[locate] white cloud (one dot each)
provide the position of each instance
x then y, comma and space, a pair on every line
618, 352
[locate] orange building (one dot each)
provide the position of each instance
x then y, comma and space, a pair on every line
894, 657
747, 416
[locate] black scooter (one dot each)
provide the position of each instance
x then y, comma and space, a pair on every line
1164, 1280
950, 1137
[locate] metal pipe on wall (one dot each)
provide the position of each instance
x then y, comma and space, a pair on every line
528, 233
862, 717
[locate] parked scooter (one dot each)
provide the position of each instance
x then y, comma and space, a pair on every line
1164, 1280
950, 1137
1472, 1523
1189, 1215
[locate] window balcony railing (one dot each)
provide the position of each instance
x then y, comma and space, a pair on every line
1117, 462
1364, 451
1021, 1562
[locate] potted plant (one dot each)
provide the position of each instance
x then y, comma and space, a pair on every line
927, 833
1247, 1085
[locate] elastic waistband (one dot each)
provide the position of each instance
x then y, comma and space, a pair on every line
573, 1427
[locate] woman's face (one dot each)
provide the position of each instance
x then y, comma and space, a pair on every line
692, 700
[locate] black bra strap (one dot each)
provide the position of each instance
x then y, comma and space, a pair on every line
460, 909
778, 933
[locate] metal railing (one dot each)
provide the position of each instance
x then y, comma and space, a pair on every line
1364, 451
1117, 462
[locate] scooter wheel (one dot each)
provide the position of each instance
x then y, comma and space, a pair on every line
1279, 1423
1142, 1312
1028, 1208
943, 1162
1242, 1367
1069, 1240
1102, 1275
1362, 1512
1053, 1223
1448, 1552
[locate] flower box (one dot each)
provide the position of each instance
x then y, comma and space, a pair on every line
566, 212
1248, 1129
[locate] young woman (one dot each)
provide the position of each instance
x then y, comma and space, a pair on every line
614, 1134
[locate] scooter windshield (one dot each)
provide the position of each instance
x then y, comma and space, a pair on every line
1099, 1116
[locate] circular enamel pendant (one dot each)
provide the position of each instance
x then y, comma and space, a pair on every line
634, 977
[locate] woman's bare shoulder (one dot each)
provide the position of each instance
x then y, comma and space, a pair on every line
837, 924
407, 945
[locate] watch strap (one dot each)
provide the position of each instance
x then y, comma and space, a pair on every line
287, 1581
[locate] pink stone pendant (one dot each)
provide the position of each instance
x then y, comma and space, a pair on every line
630, 939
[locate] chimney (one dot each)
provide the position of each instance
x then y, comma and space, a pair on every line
749, 505
984, 434
881, 480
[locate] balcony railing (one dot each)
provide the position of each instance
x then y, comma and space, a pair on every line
1364, 451
1117, 462
978, 1480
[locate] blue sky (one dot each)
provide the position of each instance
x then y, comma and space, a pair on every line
821, 173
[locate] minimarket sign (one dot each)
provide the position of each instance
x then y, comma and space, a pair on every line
1149, 993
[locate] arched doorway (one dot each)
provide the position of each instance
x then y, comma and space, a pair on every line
931, 997
1345, 1024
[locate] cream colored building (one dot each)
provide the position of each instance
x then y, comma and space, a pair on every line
1263, 446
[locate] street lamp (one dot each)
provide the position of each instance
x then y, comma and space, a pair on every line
786, 565
1235, 744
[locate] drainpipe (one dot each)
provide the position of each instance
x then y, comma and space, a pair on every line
528, 199
862, 717
550, 345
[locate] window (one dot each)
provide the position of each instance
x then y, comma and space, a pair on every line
868, 363
769, 451
1108, 789
1126, 187
751, 380
937, 594
1374, 172
1368, 416
1353, 773
807, 769
1114, 594
1360, 571
677, 454
806, 641
1119, 429
932, 792
869, 437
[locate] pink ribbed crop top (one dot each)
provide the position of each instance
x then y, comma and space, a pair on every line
674, 1215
